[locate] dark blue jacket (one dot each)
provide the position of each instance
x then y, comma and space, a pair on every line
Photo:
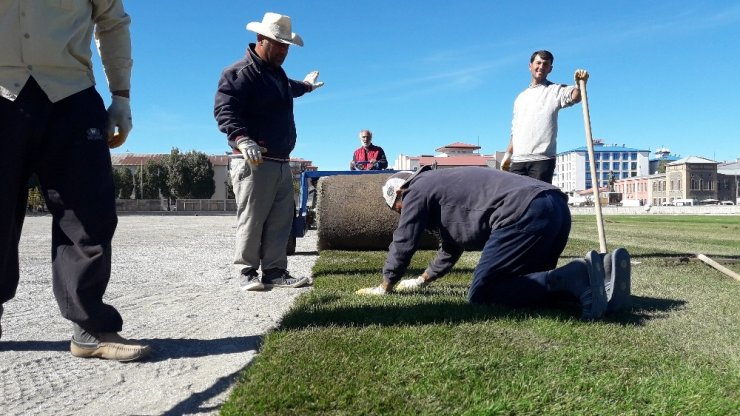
462, 206
249, 103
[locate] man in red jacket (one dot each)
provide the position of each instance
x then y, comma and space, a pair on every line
368, 156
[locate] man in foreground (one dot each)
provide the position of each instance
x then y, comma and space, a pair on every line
254, 107
520, 224
53, 123
534, 126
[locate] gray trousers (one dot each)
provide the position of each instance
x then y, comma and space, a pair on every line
264, 213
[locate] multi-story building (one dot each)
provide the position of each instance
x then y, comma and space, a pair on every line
636, 188
298, 165
613, 162
728, 188
449, 156
663, 157
693, 179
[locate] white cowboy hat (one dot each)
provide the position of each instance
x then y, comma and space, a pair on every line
276, 27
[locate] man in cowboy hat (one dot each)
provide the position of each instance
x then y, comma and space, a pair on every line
254, 108
520, 224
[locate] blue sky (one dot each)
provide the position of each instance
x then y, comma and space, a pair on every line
423, 74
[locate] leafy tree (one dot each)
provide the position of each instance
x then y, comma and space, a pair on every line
123, 182
661, 166
229, 188
201, 168
177, 175
190, 175
35, 198
153, 177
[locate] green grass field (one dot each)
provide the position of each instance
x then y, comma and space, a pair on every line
676, 352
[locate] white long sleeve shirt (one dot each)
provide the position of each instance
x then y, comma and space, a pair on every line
51, 42
534, 126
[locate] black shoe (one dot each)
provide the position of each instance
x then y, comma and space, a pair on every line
1, 317
594, 303
283, 279
250, 280
583, 279
618, 280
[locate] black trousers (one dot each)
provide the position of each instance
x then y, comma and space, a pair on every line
539, 169
64, 143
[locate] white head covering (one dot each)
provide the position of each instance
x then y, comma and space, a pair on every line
276, 27
397, 181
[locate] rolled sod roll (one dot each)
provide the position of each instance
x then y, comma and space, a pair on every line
352, 214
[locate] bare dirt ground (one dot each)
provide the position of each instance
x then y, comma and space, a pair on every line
174, 283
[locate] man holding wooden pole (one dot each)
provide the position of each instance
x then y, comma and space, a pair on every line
534, 127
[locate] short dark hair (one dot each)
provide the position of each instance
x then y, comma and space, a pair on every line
546, 55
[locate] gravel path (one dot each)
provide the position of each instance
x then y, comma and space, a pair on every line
176, 288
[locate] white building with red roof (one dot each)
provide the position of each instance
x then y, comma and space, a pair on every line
449, 156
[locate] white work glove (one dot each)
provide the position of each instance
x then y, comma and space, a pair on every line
311, 80
410, 285
251, 151
580, 74
382, 289
119, 115
506, 162
372, 291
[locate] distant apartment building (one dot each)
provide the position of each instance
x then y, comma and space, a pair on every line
573, 172
692, 178
452, 155
662, 156
636, 188
728, 174
298, 166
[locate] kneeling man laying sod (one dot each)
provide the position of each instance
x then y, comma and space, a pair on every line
520, 224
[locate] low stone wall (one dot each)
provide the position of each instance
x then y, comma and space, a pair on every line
181, 205
206, 205
140, 205
693, 210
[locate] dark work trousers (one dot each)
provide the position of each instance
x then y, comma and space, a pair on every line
514, 262
64, 143
538, 169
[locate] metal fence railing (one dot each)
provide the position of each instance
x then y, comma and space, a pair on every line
186, 205
210, 205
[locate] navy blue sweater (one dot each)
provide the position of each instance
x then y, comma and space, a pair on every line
250, 103
463, 206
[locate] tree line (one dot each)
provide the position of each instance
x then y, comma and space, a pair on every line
174, 176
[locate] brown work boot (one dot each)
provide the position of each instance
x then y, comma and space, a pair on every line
110, 346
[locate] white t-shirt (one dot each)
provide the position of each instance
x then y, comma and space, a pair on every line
534, 127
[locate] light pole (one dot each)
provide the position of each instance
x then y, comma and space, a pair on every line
141, 178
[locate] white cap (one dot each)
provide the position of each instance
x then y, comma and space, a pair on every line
393, 184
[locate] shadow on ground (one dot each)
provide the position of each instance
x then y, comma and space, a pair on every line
162, 348
329, 310
195, 403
